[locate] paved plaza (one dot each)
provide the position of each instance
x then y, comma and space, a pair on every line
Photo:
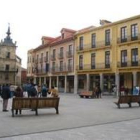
79, 119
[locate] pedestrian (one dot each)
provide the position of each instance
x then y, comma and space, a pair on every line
115, 91
39, 91
54, 92
18, 93
44, 91
5, 96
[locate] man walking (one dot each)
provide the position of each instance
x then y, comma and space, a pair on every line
5, 96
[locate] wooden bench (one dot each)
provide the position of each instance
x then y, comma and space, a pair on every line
86, 94
35, 104
128, 99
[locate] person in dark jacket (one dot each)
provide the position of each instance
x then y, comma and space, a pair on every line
18, 93
5, 96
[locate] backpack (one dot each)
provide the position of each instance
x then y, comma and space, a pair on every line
33, 91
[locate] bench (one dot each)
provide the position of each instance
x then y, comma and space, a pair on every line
35, 104
128, 99
86, 94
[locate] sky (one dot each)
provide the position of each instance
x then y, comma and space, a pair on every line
31, 19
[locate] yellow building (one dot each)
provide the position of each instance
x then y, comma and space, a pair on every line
109, 55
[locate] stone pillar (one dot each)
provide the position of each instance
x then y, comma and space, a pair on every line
101, 81
57, 81
65, 90
88, 82
117, 83
75, 84
34, 80
134, 79
50, 82
45, 80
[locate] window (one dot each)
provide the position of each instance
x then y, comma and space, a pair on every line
8, 55
81, 43
41, 57
47, 57
7, 67
124, 58
123, 34
134, 57
61, 52
53, 66
93, 40
61, 65
107, 37
134, 32
107, 59
62, 35
93, 61
70, 65
70, 50
81, 62
53, 53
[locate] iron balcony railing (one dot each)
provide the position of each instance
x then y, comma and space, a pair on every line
41, 60
92, 67
46, 59
128, 38
69, 53
128, 64
98, 44
57, 69
2, 69
53, 57
60, 55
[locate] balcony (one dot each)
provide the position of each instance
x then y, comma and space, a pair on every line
36, 60
60, 56
69, 53
41, 60
41, 71
46, 59
53, 58
2, 69
129, 39
62, 69
99, 45
98, 66
128, 64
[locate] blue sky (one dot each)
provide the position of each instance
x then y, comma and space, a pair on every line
31, 19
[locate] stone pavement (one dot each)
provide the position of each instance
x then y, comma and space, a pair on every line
79, 119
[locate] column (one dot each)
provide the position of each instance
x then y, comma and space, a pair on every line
134, 78
57, 81
45, 80
34, 80
50, 82
65, 90
101, 81
87, 82
117, 83
75, 84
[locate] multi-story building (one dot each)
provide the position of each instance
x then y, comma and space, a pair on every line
10, 63
109, 55
54, 61
103, 56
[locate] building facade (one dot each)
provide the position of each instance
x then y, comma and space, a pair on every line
10, 63
53, 63
109, 55
103, 56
